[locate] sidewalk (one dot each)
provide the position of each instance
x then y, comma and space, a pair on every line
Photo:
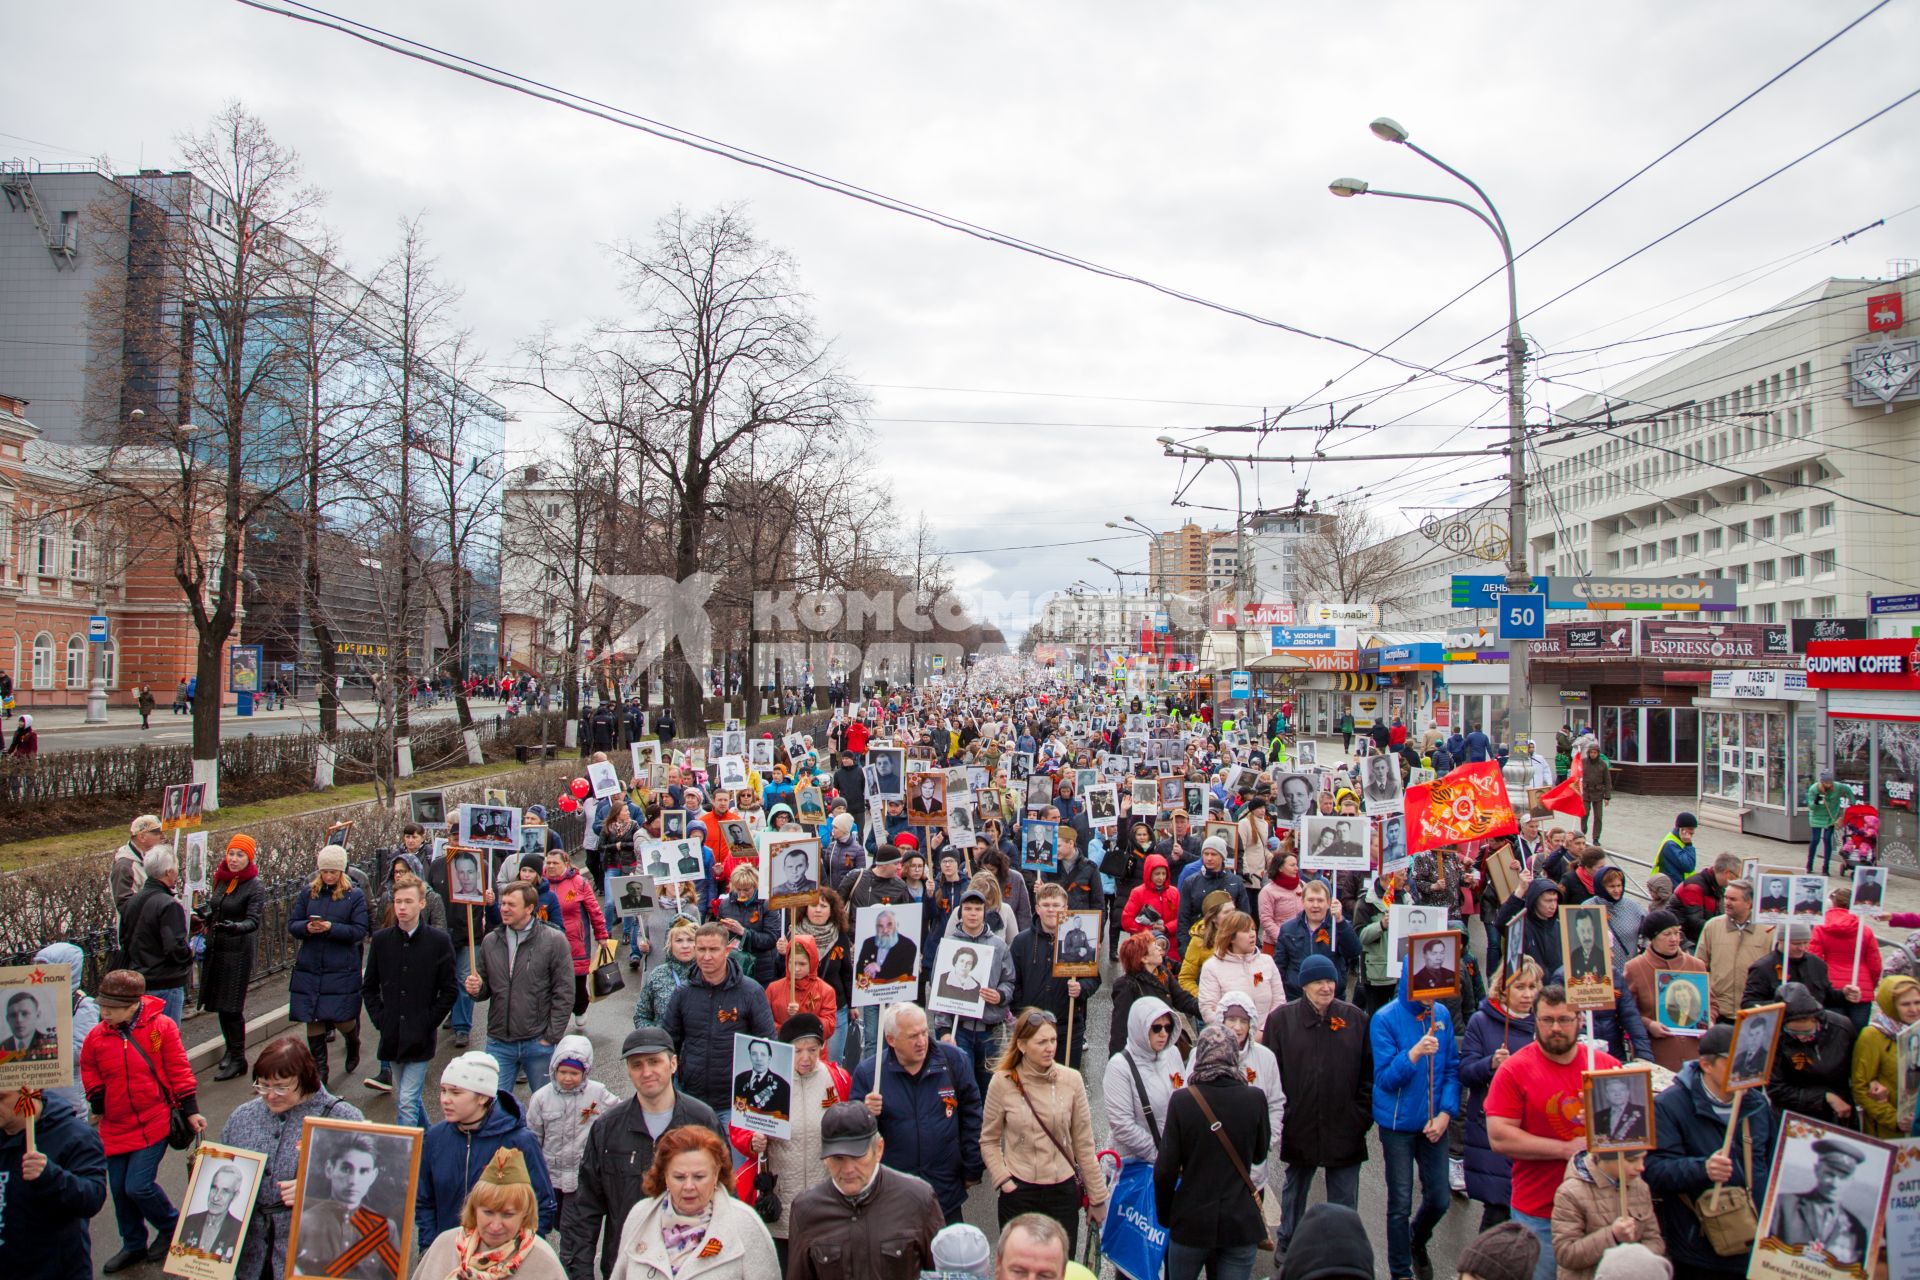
353, 712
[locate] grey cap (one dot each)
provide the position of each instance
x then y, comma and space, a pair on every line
1826, 775
847, 1129
973, 895
645, 1040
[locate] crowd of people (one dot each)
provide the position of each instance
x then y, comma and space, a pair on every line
1256, 1030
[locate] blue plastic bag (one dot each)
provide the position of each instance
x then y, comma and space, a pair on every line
1132, 1237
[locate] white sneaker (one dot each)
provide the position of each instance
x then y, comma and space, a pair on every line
1457, 1176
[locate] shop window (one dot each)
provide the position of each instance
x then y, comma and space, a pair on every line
1686, 735
1658, 746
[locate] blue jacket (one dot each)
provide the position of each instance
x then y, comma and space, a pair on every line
1688, 1132
1675, 859
325, 986
44, 1229
1400, 1085
1479, 747
1489, 1174
1295, 942
924, 1138
451, 1162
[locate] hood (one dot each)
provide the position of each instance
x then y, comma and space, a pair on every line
779, 809
575, 1047
805, 942
1600, 884
64, 953
504, 1117
1153, 860
1885, 996
1139, 1017
1492, 1008
1534, 892
1841, 921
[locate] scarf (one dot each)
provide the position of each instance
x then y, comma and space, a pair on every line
681, 1234
492, 1264
1216, 1059
222, 874
824, 936
1290, 883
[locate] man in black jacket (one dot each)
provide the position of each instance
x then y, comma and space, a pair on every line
1766, 975
1213, 874
1034, 985
154, 933
408, 989
1077, 875
866, 1221
1326, 1069
716, 1003
619, 1152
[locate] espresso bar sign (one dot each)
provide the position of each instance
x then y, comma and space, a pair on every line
1713, 641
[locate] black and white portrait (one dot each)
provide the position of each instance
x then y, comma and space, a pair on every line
632, 895
1620, 1110
1755, 1033
1809, 899
760, 754
673, 824
1146, 797
1173, 793
1403, 922
1103, 805
1076, 947
1294, 798
1435, 958
1039, 791
213, 1220
36, 1006
1869, 889
960, 823
1588, 958
1393, 842
1776, 896
1335, 842
889, 780
763, 1086
354, 1200
790, 872
1021, 767
1380, 782
1116, 766
487, 826
674, 861
604, 778
731, 772
428, 808
961, 973
736, 744
467, 877
1825, 1196
1306, 751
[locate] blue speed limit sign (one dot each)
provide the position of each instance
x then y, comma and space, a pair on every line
1523, 616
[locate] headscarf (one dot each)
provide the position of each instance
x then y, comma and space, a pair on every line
1886, 1000
480, 1263
1215, 1059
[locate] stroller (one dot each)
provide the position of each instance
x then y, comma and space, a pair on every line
1859, 836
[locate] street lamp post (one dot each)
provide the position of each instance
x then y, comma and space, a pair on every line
1173, 449
1519, 697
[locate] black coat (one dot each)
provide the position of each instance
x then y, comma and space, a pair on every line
1806, 1071
153, 937
1198, 1194
1129, 987
232, 914
1763, 980
1328, 1077
408, 990
852, 786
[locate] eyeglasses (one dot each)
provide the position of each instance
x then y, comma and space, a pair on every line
1161, 1028
275, 1090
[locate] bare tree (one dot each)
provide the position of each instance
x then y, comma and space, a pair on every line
1349, 557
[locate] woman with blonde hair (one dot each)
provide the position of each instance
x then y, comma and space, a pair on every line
329, 920
1036, 1131
690, 1225
1238, 964
499, 1231
1501, 1027
1200, 942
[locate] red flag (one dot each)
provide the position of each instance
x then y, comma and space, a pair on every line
1569, 797
1470, 803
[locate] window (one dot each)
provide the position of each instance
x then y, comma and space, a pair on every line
1822, 515
1714, 537
1792, 522
1690, 545
1794, 609
1669, 549
79, 554
1613, 559
110, 664
1824, 562
1737, 533
1763, 528
1825, 607
76, 662
43, 661
1765, 613
1763, 571
44, 563
1793, 566
1738, 573
1633, 556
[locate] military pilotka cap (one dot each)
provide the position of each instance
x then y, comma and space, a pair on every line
645, 1040
847, 1129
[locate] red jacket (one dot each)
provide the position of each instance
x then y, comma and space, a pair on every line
123, 1090
579, 910
816, 996
857, 737
1165, 901
1833, 941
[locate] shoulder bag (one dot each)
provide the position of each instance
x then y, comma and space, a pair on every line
180, 1131
1140, 1091
1072, 1164
1726, 1213
1233, 1154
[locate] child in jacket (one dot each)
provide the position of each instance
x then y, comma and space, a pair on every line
563, 1109
1586, 1213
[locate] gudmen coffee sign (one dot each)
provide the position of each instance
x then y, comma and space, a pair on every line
1864, 664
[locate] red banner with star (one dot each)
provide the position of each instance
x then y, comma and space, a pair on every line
1569, 797
1470, 803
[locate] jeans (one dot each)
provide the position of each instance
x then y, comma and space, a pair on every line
512, 1055
137, 1197
461, 1019
982, 1045
1185, 1260
409, 1081
1343, 1187
837, 1046
1405, 1152
173, 1002
630, 927
1540, 1229
1814, 840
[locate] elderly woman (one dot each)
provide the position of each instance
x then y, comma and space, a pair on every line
329, 920
755, 927
1036, 1132
1207, 1205
499, 1231
690, 1227
1280, 898
286, 1090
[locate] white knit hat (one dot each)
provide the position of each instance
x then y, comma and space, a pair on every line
331, 858
475, 1072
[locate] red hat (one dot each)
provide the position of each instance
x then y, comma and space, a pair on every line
907, 840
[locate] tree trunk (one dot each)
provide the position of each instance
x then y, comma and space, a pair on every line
206, 712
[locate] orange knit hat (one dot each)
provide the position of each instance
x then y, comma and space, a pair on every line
244, 843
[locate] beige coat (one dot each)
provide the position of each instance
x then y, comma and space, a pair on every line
796, 1161
1729, 953
744, 1252
1583, 1214
1013, 1146
440, 1261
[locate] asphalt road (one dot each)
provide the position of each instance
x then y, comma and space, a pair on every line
61, 731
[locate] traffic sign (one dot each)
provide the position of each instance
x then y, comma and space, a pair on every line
97, 628
1241, 683
1523, 616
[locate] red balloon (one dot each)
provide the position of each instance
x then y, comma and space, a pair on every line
580, 788
568, 804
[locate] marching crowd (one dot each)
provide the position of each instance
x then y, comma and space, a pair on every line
1255, 1034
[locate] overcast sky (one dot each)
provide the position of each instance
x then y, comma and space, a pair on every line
1017, 401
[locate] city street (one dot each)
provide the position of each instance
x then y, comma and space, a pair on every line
65, 728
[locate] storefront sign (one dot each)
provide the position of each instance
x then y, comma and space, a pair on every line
1586, 639
1483, 590
1804, 631
1279, 613
1642, 593
1425, 656
1350, 614
1864, 664
1719, 641
1305, 637
1322, 659
1761, 682
1893, 604
1575, 698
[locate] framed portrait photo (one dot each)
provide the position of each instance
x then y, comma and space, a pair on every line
353, 1200
221, 1188
1680, 1001
732, 772
961, 972
1306, 751
673, 824
674, 861
1809, 900
1039, 845
1435, 958
886, 965
1103, 806
1756, 1036
494, 795
927, 798
489, 826
760, 753
810, 806
1076, 946
605, 779
633, 896
428, 808
1826, 1201
1335, 842
1588, 957
1869, 890
1146, 797
889, 777
1620, 1110
763, 1085
468, 876
790, 870
1407, 920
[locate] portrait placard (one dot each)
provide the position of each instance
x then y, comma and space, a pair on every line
428, 808
1756, 1037
1335, 842
673, 824
1587, 956
1404, 921
673, 861
37, 1051
760, 754
1825, 1197
489, 826
961, 972
1306, 751
1393, 843
494, 796
1809, 900
1076, 946
810, 807
732, 772
1146, 797
221, 1186
1681, 1001
1436, 961
763, 1085
1228, 831
889, 778
1380, 786
789, 869
1776, 898
353, 1200
1294, 798
1902, 1230
633, 896
1103, 806
644, 755
1620, 1110
927, 798
886, 966
468, 875
1869, 890
1039, 845
605, 779
194, 863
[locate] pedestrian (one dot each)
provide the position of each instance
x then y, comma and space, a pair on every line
1197, 886
467, 926
864, 1221
1876, 1077
1664, 935
1139, 1080
1837, 939
929, 1107
1587, 1217
1731, 944
479, 1118
1237, 965
1696, 899
128, 873
793, 1164
181, 705
1528, 1120
666, 977
1280, 898
1346, 732
1692, 1117
1596, 788
408, 990
136, 1075
50, 1193
1204, 1196
1796, 963
1262, 1070
1624, 915
690, 1226
717, 1002
1036, 1131
1813, 1068
155, 937
497, 1235
1034, 982
1498, 1029
563, 1112
620, 1150
329, 919
526, 978
752, 926
1827, 801
1416, 1091
144, 701
581, 919
1323, 1056
1144, 971
26, 740
230, 919
1320, 929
